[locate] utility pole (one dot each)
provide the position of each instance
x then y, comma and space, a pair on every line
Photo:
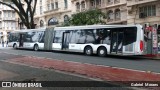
154, 41
20, 24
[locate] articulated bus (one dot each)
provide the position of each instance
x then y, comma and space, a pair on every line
91, 39
28, 39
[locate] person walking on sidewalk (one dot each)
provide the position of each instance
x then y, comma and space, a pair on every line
2, 43
7, 43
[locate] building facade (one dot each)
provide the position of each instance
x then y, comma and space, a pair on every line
7, 21
116, 10
55, 12
144, 12
52, 12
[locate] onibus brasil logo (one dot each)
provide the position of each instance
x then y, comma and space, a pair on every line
18, 84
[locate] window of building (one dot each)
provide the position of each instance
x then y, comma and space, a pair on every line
13, 14
147, 11
110, 15
66, 18
5, 14
98, 2
92, 3
40, 9
77, 6
52, 5
48, 6
65, 4
117, 14
56, 3
110, 1
12, 25
0, 14
117, 1
9, 14
83, 5
41, 2
0, 24
9, 25
41, 23
53, 21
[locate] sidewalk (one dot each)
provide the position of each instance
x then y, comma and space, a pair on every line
154, 57
4, 47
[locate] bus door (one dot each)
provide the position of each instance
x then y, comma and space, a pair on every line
65, 40
117, 42
21, 40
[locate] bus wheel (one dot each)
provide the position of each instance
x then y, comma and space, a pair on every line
35, 48
15, 46
102, 52
88, 51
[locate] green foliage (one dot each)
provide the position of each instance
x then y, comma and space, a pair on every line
87, 18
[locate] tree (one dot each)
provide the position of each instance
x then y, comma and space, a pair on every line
26, 14
89, 17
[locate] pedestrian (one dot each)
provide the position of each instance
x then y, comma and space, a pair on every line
7, 43
2, 43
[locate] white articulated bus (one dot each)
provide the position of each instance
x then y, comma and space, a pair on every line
28, 39
90, 39
100, 39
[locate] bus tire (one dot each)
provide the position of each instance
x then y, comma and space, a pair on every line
88, 50
15, 46
36, 47
102, 51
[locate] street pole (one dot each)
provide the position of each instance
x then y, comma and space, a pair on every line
20, 24
154, 41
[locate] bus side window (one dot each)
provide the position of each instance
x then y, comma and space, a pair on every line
107, 37
103, 36
130, 35
90, 36
74, 36
41, 38
99, 35
85, 36
53, 35
81, 37
58, 36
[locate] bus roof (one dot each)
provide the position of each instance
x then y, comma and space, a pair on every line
27, 30
76, 27
94, 27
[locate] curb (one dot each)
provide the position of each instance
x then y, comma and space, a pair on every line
153, 56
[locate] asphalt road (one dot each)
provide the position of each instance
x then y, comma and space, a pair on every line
115, 61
